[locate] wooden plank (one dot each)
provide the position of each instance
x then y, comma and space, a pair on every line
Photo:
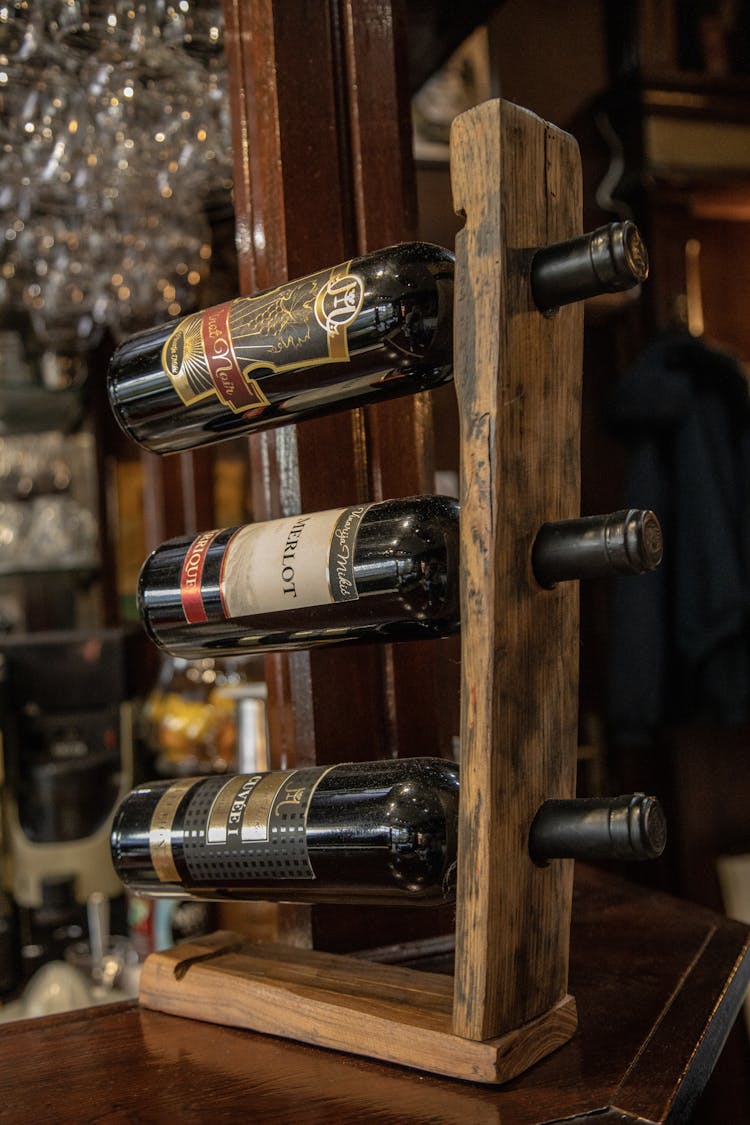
399, 434
289, 172
518, 373
314, 188
382, 1011
637, 967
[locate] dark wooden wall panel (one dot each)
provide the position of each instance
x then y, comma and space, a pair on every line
323, 169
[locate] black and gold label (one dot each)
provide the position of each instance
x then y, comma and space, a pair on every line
160, 837
300, 324
243, 808
245, 829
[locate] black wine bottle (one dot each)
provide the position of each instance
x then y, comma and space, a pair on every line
375, 327
368, 832
632, 826
385, 572
377, 572
624, 542
372, 328
382, 832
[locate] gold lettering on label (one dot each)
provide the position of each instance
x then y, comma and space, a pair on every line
225, 813
161, 830
256, 820
292, 797
174, 354
300, 324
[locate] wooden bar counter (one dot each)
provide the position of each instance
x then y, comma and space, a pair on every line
658, 982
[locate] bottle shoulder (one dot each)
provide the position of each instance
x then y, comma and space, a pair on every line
411, 252
385, 773
410, 529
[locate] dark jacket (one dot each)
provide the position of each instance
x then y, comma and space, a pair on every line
680, 639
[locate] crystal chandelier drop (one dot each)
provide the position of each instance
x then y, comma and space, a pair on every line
114, 143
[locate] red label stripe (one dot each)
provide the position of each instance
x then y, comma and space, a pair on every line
191, 578
226, 373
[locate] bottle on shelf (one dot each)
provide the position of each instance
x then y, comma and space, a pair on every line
385, 572
372, 328
361, 832
364, 832
610, 259
377, 572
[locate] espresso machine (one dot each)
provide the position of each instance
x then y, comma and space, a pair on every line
66, 718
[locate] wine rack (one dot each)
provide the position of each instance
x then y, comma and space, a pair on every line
517, 181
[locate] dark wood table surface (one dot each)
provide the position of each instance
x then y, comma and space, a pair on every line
658, 983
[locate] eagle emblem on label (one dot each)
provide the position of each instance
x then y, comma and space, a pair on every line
224, 350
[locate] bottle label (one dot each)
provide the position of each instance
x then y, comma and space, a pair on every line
222, 351
160, 832
262, 568
252, 827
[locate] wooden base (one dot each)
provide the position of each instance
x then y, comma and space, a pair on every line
382, 1011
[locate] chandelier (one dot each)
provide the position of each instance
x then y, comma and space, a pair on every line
114, 141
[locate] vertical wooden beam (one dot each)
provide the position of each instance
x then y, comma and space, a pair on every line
399, 434
323, 171
291, 176
177, 494
518, 373
321, 124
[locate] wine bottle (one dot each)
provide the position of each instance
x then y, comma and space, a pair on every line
624, 542
372, 328
382, 832
610, 259
632, 826
385, 572
376, 572
363, 832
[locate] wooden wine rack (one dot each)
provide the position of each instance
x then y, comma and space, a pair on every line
517, 181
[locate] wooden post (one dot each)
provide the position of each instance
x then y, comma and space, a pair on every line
324, 172
518, 380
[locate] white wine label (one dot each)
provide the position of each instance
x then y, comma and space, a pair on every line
224, 350
266, 568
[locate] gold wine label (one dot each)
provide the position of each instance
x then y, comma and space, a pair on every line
160, 831
301, 324
241, 810
241, 830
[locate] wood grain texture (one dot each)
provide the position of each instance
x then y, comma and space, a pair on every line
321, 130
177, 495
291, 174
323, 168
398, 434
518, 375
656, 982
382, 1011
